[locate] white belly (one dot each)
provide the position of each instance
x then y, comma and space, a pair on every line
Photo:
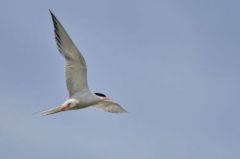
85, 99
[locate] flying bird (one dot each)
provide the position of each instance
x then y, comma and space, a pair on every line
76, 78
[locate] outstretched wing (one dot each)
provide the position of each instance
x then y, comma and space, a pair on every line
110, 106
75, 65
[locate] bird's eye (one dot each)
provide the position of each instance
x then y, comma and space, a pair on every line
69, 104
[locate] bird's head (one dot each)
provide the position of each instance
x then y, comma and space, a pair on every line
103, 96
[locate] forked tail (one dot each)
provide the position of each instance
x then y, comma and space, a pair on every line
51, 111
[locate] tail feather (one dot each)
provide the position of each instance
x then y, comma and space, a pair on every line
51, 111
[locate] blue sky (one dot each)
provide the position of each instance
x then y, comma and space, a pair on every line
173, 65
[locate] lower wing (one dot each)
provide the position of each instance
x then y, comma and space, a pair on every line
110, 106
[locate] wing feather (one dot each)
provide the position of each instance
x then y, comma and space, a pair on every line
75, 65
110, 106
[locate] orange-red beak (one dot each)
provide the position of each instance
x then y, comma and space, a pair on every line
108, 98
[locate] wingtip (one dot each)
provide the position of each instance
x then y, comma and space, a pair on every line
51, 13
123, 111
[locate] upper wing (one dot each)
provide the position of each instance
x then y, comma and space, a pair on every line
75, 65
110, 106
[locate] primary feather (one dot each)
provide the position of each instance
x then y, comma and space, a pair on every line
75, 65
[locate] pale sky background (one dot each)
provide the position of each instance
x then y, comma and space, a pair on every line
173, 65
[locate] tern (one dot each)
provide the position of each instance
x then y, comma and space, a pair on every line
76, 78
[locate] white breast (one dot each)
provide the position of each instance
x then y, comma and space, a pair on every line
86, 99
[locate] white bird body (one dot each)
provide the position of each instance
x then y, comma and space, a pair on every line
86, 99
76, 77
